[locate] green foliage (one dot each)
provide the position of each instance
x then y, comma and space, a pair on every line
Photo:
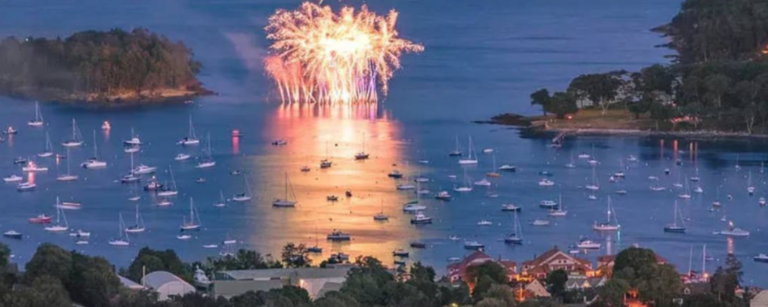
296, 256
130, 298
657, 283
156, 260
701, 300
494, 271
49, 260
454, 295
43, 291
601, 89
492, 302
242, 260
661, 287
502, 293
561, 104
5, 254
541, 98
92, 62
612, 293
92, 280
556, 282
333, 299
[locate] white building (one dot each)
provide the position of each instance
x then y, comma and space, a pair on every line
166, 284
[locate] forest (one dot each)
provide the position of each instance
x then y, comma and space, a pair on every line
95, 66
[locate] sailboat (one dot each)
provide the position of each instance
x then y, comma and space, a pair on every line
493, 172
288, 193
594, 185
315, 249
612, 223
48, 151
38, 121
194, 219
471, 157
76, 139
516, 237
560, 211
675, 227
466, 187
572, 163
139, 224
326, 163
131, 177
94, 161
166, 191
208, 161
456, 152
381, 216
243, 197
687, 193
68, 176
750, 187
61, 220
362, 155
134, 192
122, 237
222, 202
191, 138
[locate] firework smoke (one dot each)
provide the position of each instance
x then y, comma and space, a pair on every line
324, 57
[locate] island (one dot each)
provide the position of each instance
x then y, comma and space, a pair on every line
110, 68
716, 83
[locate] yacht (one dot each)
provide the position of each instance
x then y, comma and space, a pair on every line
80, 234
484, 223
420, 219
456, 152
40, 219
33, 167
443, 195
507, 168
761, 258
493, 173
13, 178
674, 227
183, 237
305, 169
38, 121
76, 139
338, 235
413, 206
143, 169
20, 161
10, 130
587, 244
544, 182
473, 245
540, 222
25, 186
733, 231
208, 161
106, 126
122, 238
68, 205
395, 174
48, 150
193, 223
611, 224
289, 196
182, 157
94, 161
191, 138
548, 204
516, 237
131, 149
133, 141
510, 208
12, 234
61, 224
483, 182
471, 158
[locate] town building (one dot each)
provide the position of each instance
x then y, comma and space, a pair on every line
457, 271
553, 260
166, 284
317, 281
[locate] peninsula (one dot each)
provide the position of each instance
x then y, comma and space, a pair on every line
99, 68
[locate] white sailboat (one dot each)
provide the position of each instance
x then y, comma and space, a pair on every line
612, 222
243, 197
594, 185
76, 138
362, 155
467, 187
471, 156
166, 191
38, 121
48, 151
560, 211
68, 176
207, 162
61, 224
750, 187
516, 237
288, 193
122, 238
457, 151
191, 138
194, 219
222, 202
138, 226
131, 177
94, 161
675, 227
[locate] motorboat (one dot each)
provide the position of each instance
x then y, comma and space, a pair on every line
129, 178
93, 163
279, 142
338, 235
540, 222
25, 186
510, 208
547, 204
305, 169
413, 206
380, 217
332, 198
483, 182
325, 163
13, 178
400, 253
761, 202
583, 156
106, 126
484, 223
182, 157
420, 219
133, 141
443, 195
508, 168
420, 245
34, 168
164, 203
153, 185
12, 234
733, 231
183, 237
40, 219
69, 205
142, 169
237, 134
544, 182
473, 245
80, 234
20, 161
761, 258
131, 149
587, 244
405, 187
10, 131
395, 174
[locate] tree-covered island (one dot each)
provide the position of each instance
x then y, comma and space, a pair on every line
108, 68
717, 81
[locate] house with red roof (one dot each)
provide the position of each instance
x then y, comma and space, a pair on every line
457, 271
555, 259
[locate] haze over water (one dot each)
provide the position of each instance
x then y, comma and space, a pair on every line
482, 58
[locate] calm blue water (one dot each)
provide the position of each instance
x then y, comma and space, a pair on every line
481, 58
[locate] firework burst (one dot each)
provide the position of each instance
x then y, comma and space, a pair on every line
320, 56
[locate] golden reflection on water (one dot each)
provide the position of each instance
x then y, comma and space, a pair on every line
334, 132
